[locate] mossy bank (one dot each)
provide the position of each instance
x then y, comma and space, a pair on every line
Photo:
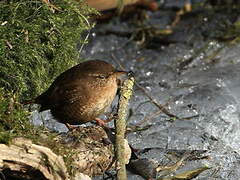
38, 41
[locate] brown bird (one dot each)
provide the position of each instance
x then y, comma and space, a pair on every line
82, 93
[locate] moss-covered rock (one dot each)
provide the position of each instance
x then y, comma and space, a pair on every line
38, 40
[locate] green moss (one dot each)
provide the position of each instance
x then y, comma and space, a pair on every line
38, 42
14, 122
13, 118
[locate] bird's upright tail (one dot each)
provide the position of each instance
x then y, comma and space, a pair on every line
32, 101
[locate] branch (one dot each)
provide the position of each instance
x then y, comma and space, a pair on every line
120, 125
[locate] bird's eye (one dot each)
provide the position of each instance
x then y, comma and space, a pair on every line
101, 76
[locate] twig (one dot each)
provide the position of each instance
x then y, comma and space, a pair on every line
88, 33
120, 126
151, 116
154, 101
51, 6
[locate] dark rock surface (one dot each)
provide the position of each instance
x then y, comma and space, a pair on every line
195, 70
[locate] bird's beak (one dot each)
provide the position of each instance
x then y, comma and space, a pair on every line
127, 73
130, 74
123, 75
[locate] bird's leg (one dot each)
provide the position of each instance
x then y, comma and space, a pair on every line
111, 115
100, 122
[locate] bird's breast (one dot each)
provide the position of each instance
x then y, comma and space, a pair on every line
104, 97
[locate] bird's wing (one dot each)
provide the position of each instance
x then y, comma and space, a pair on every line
68, 93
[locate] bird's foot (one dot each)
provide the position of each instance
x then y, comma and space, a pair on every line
111, 117
71, 127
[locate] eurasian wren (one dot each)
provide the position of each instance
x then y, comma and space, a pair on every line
82, 93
